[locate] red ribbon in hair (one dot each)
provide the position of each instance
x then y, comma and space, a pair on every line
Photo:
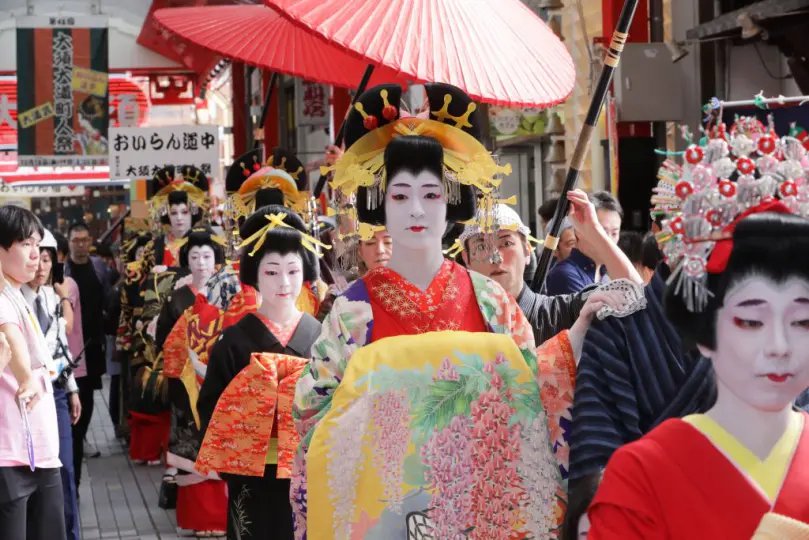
718, 260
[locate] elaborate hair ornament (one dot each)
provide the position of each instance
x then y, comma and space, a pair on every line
276, 221
731, 174
466, 160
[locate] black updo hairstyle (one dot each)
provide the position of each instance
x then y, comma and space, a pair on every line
769, 244
201, 236
412, 153
282, 240
192, 175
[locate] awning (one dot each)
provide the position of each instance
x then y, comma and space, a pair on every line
197, 59
767, 13
59, 177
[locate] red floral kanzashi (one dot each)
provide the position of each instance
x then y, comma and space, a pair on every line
683, 189
727, 188
694, 154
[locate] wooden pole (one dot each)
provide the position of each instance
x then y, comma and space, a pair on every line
613, 56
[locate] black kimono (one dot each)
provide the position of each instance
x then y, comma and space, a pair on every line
162, 302
258, 506
183, 439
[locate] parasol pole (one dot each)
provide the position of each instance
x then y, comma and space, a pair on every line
613, 56
338, 140
266, 107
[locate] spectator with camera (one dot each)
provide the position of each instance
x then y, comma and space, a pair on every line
49, 296
31, 500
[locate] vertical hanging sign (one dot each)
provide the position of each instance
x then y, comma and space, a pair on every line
311, 104
62, 91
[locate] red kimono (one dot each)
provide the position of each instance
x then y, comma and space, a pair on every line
675, 483
400, 307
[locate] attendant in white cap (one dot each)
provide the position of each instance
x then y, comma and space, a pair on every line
505, 257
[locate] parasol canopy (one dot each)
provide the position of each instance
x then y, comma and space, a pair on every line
498, 51
259, 36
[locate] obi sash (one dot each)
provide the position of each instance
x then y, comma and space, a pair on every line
238, 436
439, 433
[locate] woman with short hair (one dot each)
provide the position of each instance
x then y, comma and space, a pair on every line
31, 501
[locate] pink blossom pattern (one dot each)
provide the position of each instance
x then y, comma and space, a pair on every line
539, 503
346, 465
495, 453
446, 372
391, 432
448, 457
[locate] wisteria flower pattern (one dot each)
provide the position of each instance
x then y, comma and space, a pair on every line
464, 421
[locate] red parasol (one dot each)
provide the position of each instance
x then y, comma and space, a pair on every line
259, 36
498, 51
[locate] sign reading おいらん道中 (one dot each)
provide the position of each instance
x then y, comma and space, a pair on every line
141, 152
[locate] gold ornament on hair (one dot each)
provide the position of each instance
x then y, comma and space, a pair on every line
277, 221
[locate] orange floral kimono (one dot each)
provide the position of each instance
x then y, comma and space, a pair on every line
556, 366
238, 436
185, 351
251, 373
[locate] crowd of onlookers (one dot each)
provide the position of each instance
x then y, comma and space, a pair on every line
59, 314
56, 307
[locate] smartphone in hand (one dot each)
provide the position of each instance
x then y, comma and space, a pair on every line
58, 272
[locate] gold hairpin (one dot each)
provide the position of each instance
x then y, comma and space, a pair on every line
276, 221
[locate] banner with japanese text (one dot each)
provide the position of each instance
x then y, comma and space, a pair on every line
312, 103
141, 152
62, 91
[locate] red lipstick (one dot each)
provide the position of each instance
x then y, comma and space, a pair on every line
774, 377
418, 229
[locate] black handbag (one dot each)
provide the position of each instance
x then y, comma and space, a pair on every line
167, 499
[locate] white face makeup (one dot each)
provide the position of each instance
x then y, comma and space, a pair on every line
280, 278
179, 219
762, 342
201, 263
416, 210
